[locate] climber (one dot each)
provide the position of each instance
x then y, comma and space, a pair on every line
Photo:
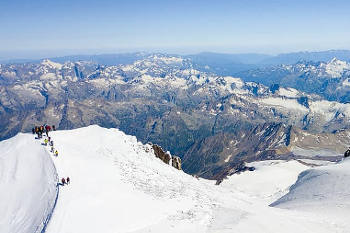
47, 129
68, 180
63, 181
53, 128
45, 141
33, 130
56, 153
347, 153
52, 149
36, 129
51, 143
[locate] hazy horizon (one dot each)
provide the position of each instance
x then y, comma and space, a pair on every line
37, 54
55, 28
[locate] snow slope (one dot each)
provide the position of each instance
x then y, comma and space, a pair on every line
324, 190
117, 185
270, 180
27, 185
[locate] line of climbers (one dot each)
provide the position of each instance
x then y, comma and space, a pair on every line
39, 130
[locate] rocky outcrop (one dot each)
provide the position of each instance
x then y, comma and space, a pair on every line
166, 157
159, 153
230, 170
176, 162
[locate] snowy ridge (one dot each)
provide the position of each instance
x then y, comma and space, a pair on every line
27, 185
118, 185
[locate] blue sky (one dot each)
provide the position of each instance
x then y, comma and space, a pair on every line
264, 26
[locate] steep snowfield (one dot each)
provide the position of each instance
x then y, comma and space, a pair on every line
27, 185
117, 185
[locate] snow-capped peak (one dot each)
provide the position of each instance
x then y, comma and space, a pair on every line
51, 64
336, 67
167, 59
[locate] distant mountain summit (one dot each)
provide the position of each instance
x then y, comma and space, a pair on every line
328, 79
321, 56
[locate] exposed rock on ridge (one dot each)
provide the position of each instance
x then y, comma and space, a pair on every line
174, 161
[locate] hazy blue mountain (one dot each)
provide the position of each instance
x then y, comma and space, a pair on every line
322, 56
222, 63
226, 64
103, 59
244, 58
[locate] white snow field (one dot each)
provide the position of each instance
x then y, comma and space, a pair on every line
118, 185
324, 190
27, 185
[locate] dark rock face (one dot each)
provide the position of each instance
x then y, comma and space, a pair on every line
158, 151
240, 167
223, 154
166, 157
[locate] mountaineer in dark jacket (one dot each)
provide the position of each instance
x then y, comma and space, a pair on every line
347, 153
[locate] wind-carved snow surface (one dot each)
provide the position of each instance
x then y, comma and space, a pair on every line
324, 190
118, 185
27, 185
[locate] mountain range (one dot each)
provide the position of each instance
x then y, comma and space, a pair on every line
330, 80
214, 123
